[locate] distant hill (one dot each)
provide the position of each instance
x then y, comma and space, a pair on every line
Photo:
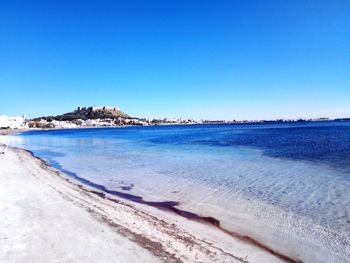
85, 113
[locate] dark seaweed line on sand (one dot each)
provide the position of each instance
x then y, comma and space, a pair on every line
167, 206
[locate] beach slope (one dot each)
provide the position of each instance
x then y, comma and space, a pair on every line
47, 217
38, 224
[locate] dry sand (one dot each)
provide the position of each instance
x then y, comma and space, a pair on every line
47, 217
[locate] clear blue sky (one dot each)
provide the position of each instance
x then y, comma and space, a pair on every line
201, 59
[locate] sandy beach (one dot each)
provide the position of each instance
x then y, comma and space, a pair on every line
47, 217
11, 131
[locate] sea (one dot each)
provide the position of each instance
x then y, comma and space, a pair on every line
286, 185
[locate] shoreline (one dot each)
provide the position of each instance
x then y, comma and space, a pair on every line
10, 131
228, 246
4, 132
169, 206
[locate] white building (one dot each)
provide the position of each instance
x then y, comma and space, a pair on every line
12, 122
92, 123
63, 124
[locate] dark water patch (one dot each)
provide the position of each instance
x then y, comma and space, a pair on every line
327, 143
127, 187
260, 245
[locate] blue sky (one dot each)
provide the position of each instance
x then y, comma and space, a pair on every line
192, 59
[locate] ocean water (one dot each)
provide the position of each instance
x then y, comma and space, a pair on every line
286, 185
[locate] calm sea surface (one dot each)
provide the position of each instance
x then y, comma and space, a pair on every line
286, 184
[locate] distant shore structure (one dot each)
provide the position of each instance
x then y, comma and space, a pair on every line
97, 108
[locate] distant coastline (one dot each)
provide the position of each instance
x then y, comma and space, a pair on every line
12, 131
108, 116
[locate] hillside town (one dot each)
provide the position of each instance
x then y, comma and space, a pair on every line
87, 117
107, 116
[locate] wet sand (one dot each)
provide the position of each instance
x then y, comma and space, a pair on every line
48, 217
11, 131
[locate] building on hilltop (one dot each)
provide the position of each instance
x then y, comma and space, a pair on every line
95, 108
